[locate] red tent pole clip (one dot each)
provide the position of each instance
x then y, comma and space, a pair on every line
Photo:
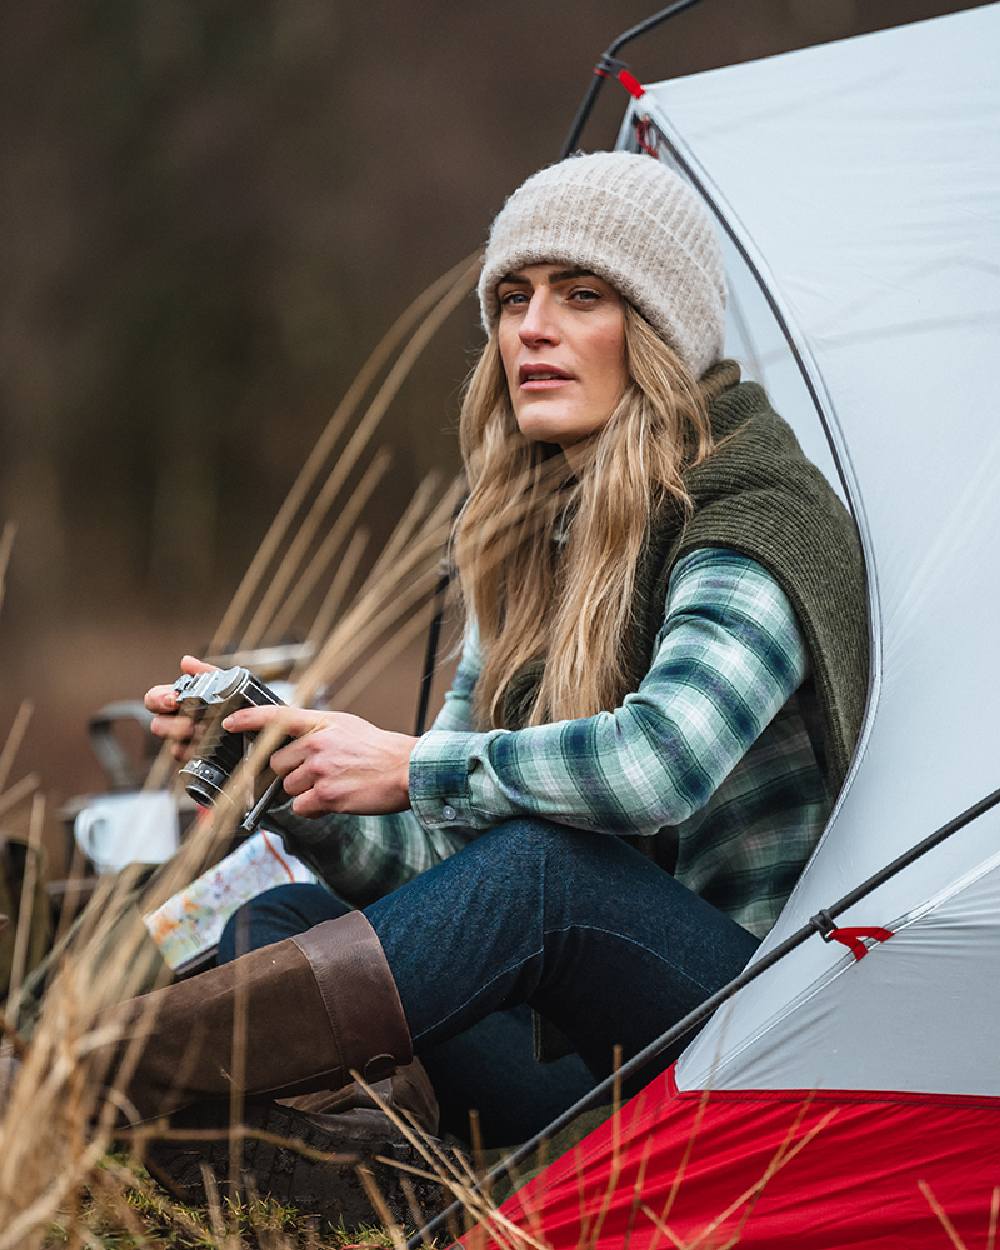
609, 67
850, 937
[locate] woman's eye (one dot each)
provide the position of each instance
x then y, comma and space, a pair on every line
513, 299
584, 295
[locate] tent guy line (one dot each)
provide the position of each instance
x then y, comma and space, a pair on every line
820, 924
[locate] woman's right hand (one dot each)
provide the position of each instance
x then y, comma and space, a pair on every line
179, 731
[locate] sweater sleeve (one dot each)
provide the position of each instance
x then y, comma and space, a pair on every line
364, 857
729, 655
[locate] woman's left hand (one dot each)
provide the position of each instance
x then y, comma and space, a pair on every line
337, 763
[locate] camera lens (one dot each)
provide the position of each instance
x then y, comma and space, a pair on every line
204, 781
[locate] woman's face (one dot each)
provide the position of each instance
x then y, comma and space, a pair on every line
562, 342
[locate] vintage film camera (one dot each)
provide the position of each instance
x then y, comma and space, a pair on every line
209, 698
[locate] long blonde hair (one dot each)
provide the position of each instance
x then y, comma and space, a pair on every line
570, 607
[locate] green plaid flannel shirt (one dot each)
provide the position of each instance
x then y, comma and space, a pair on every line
713, 743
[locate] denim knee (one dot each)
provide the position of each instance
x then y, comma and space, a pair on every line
498, 877
537, 858
527, 842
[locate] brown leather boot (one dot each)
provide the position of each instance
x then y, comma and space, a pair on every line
287, 1019
408, 1092
320, 1180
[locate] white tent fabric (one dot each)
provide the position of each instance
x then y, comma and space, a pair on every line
861, 180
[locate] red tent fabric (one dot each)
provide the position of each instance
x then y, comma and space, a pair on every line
772, 1169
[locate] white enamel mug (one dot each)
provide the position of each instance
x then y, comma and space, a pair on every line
136, 828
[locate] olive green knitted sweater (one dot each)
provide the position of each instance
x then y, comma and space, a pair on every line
757, 494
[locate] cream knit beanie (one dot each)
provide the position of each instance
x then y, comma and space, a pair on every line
633, 222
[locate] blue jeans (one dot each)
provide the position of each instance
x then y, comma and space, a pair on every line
579, 926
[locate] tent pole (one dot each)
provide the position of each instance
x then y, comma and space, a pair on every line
817, 925
431, 650
608, 65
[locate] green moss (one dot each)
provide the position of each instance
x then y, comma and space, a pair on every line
144, 1217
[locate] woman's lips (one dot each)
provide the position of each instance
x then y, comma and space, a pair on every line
542, 377
545, 384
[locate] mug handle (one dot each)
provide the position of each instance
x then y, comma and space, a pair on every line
84, 826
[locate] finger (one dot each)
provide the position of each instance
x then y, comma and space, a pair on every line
308, 805
160, 699
191, 665
299, 781
295, 721
179, 728
164, 698
289, 757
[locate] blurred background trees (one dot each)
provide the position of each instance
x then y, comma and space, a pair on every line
211, 212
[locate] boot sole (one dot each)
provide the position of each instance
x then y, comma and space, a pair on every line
330, 1190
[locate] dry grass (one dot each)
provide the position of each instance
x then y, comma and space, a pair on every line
58, 1184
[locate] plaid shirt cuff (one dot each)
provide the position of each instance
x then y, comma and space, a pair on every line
439, 779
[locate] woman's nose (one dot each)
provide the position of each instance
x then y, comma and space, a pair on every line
538, 325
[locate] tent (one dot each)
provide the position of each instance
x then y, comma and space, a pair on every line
838, 1100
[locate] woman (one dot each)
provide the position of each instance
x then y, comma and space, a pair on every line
667, 642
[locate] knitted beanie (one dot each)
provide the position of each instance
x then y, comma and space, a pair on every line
634, 223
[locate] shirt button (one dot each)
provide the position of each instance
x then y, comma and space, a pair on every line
448, 812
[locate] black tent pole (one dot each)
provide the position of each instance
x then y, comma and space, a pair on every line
821, 923
609, 65
430, 654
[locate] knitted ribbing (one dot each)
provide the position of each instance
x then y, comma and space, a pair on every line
633, 222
